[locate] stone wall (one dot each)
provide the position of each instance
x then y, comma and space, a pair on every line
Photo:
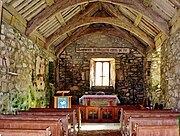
153, 76
23, 72
75, 68
170, 71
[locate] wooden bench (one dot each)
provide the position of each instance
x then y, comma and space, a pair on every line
133, 122
24, 132
55, 125
74, 113
128, 107
71, 113
63, 118
145, 113
156, 130
126, 114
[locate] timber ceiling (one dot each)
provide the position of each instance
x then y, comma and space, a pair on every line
57, 23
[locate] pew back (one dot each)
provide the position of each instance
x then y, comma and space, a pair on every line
64, 120
133, 122
54, 125
72, 119
24, 132
156, 130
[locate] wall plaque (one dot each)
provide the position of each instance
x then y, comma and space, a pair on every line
109, 50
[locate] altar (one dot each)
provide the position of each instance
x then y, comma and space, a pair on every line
99, 100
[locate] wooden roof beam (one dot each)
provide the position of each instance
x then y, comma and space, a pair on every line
14, 13
87, 12
159, 39
175, 22
76, 34
116, 13
60, 5
107, 31
120, 22
175, 2
60, 19
50, 2
138, 20
147, 2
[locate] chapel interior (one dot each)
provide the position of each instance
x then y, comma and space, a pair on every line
102, 53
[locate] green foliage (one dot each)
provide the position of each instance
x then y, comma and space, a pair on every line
32, 96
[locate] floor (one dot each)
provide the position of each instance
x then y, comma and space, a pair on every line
99, 129
100, 126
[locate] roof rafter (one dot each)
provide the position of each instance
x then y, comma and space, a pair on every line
120, 22
107, 31
69, 40
87, 12
60, 5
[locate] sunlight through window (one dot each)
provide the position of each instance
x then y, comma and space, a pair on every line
102, 73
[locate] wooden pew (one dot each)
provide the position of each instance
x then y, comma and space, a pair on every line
24, 132
128, 107
54, 125
126, 113
71, 113
64, 119
133, 122
145, 113
156, 130
75, 114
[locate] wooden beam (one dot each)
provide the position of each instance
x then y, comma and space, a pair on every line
13, 12
50, 2
158, 36
176, 26
60, 19
60, 5
13, 20
175, 3
4, 1
12, 2
147, 2
0, 14
59, 49
107, 31
39, 36
116, 13
175, 22
159, 39
120, 22
138, 20
87, 12
82, 7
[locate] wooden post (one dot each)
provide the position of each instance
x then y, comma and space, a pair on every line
0, 14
